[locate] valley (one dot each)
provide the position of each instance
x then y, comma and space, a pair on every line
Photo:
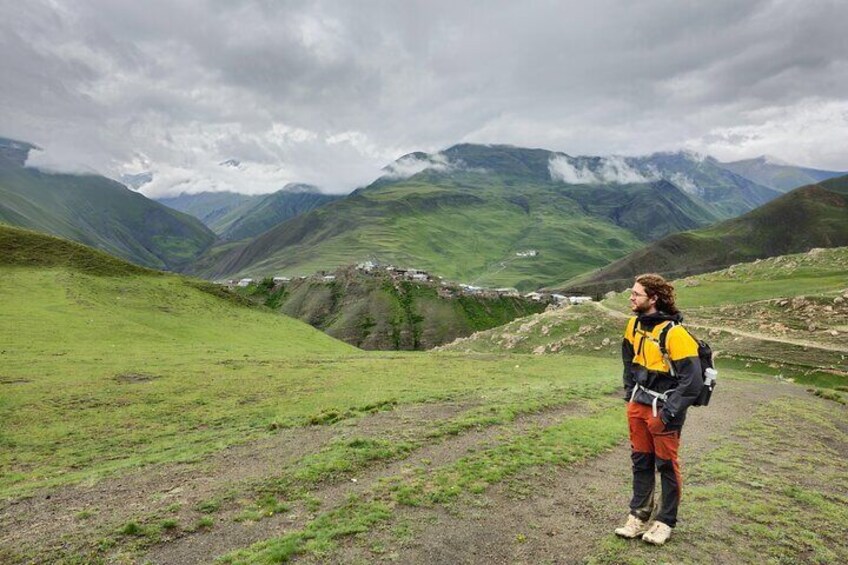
355, 283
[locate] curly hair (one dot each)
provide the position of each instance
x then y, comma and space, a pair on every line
656, 286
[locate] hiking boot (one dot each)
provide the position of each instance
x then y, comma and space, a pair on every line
658, 533
633, 528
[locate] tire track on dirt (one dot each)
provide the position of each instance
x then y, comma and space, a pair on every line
228, 536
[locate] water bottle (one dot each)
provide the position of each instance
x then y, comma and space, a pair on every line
703, 399
710, 377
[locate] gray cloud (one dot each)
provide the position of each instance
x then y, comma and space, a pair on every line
329, 92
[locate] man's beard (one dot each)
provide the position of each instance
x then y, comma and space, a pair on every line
640, 308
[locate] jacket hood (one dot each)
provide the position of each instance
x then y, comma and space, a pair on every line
648, 321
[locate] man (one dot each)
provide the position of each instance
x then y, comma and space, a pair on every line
658, 390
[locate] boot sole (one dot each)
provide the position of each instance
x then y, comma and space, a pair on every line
634, 536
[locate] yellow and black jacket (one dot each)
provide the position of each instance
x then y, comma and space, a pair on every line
646, 370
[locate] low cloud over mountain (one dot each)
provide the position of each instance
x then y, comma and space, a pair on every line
328, 92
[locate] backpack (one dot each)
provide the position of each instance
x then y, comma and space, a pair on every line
708, 370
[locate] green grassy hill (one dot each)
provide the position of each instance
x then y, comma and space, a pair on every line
468, 214
808, 217
98, 212
108, 366
87, 326
374, 311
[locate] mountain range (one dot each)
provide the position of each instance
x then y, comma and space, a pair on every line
96, 211
468, 213
778, 175
805, 218
490, 215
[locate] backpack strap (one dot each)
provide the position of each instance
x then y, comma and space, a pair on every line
664, 337
663, 350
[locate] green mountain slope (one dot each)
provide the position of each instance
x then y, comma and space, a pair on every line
98, 212
466, 213
273, 209
776, 175
238, 216
811, 216
212, 208
465, 229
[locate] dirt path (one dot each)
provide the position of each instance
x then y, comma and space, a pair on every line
763, 337
229, 535
38, 523
51, 522
740, 333
556, 515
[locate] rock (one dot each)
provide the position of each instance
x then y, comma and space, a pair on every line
815, 251
715, 332
838, 300
834, 333
812, 327
783, 303
605, 342
828, 308
546, 330
611, 294
799, 302
539, 350
528, 326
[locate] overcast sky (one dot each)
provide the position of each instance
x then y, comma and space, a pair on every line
329, 92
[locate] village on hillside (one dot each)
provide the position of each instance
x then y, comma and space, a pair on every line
446, 289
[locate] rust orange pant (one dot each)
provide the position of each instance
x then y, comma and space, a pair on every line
653, 447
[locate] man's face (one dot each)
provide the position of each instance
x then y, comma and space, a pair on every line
640, 303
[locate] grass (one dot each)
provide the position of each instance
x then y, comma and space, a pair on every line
800, 274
